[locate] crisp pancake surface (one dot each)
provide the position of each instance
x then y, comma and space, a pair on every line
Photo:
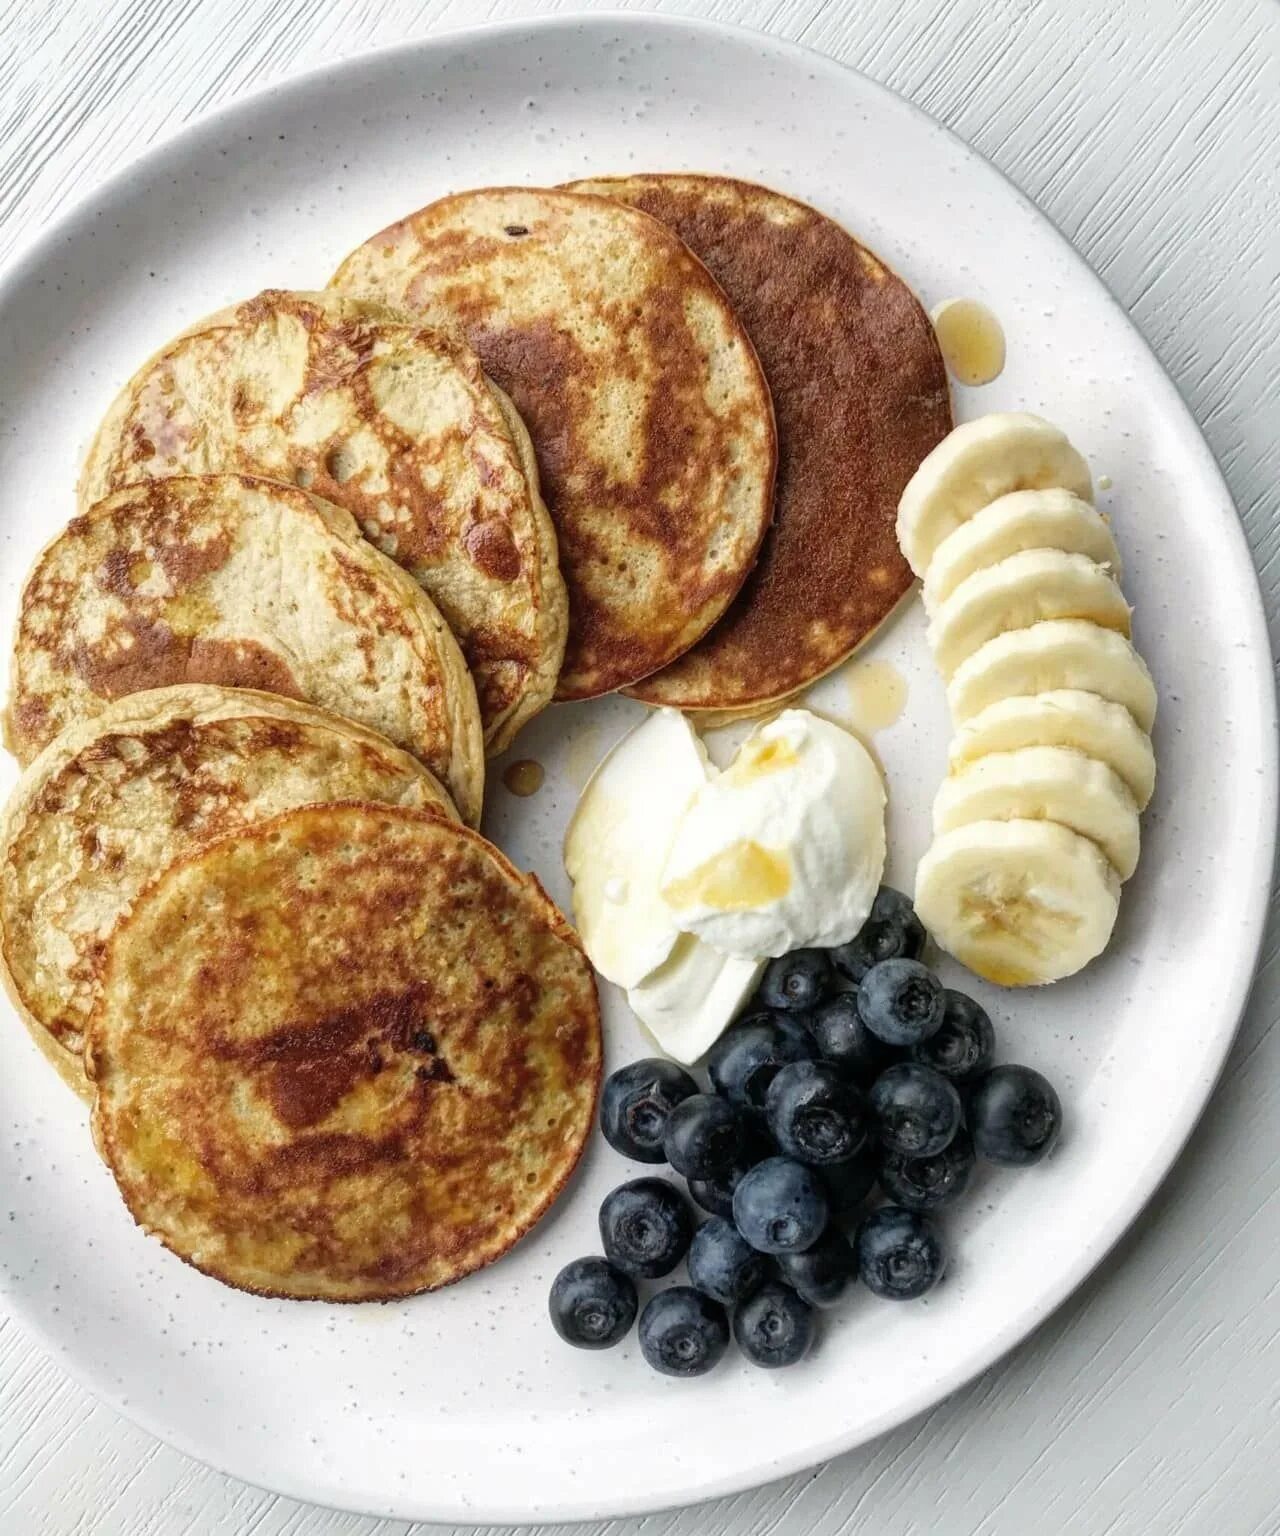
252, 584
648, 410
116, 799
350, 1053
393, 422
860, 394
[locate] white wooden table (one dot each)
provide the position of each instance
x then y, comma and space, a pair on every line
1149, 130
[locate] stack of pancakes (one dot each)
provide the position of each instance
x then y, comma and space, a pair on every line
334, 549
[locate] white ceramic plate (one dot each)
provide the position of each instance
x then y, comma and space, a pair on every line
464, 1406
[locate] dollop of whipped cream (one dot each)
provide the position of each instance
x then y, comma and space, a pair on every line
686, 879
783, 850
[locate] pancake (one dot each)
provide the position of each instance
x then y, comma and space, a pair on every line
252, 584
396, 424
350, 1053
116, 799
646, 404
860, 393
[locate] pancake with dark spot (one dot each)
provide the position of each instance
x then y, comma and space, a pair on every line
396, 424
248, 583
116, 799
860, 394
644, 398
347, 1054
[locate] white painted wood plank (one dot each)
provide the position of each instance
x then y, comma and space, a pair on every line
1147, 129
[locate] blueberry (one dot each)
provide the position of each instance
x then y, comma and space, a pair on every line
814, 1114
821, 1274
745, 1059
926, 1183
780, 1206
636, 1102
848, 1184
774, 1327
901, 1002
645, 1227
593, 1303
1015, 1116
842, 1037
704, 1136
794, 1028
683, 1332
900, 1253
723, 1265
798, 980
917, 1110
715, 1194
964, 1044
891, 932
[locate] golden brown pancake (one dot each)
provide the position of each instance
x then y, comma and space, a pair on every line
248, 583
117, 798
392, 422
860, 395
350, 1053
646, 404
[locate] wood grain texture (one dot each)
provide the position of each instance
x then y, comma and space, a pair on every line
1147, 129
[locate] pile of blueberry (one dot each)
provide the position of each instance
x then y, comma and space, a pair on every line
853, 1068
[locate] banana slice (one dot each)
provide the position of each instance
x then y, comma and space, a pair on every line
1020, 903
1066, 717
1045, 784
1023, 590
1053, 519
1060, 653
975, 464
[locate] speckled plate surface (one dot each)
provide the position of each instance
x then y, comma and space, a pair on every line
463, 1406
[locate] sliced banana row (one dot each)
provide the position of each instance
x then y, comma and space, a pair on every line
1036, 824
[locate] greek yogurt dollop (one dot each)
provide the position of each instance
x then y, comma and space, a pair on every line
686, 880
784, 849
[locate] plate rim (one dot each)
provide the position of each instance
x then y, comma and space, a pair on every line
28, 253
